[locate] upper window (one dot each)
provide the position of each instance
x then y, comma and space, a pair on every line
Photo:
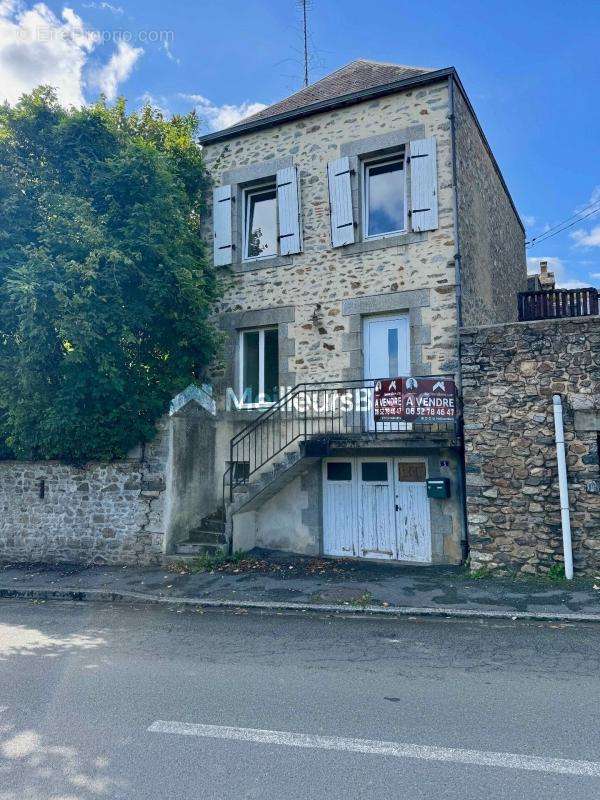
384, 198
260, 223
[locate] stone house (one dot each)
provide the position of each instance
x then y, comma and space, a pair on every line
362, 221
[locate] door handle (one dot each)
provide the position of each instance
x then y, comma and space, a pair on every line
398, 507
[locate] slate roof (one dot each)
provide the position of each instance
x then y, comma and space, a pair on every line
343, 86
354, 77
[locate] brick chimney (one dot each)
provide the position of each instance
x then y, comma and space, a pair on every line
547, 280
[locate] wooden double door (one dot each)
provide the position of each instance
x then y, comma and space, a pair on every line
376, 508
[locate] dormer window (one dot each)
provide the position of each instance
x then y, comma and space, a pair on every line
384, 200
260, 223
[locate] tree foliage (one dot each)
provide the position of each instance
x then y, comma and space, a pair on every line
105, 289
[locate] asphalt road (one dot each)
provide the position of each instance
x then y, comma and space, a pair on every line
132, 703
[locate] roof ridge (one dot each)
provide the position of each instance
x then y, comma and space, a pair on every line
359, 74
390, 64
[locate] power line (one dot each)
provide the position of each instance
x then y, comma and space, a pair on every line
567, 223
568, 219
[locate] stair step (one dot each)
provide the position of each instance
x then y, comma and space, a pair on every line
202, 536
212, 524
198, 549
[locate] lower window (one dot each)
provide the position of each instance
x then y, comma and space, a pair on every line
259, 366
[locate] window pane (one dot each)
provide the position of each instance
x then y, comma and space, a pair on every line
339, 471
261, 224
250, 386
386, 198
411, 472
271, 366
393, 352
374, 471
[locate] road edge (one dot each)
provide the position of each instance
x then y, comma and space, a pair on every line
103, 595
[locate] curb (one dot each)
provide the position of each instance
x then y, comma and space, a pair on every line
101, 595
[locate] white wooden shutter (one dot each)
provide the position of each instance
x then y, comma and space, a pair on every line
223, 245
340, 202
288, 206
423, 185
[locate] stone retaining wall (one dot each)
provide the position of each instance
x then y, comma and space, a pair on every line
101, 514
510, 373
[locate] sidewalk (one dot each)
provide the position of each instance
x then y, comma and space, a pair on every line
293, 583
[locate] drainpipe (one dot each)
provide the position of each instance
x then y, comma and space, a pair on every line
459, 317
559, 434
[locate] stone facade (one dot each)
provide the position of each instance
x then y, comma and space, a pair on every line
491, 236
316, 281
320, 297
101, 514
510, 373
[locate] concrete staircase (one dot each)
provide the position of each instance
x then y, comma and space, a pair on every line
212, 535
280, 471
207, 539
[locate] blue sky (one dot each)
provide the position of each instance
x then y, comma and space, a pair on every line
531, 69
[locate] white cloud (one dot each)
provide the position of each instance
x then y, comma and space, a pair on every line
589, 238
166, 46
564, 280
38, 47
118, 10
528, 220
118, 69
157, 103
218, 117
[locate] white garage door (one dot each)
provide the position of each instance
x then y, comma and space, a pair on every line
376, 508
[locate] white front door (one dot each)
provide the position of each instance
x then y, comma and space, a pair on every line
386, 348
376, 508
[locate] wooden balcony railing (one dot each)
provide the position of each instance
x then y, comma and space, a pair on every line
557, 303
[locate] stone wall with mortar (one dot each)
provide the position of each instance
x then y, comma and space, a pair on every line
510, 373
492, 240
102, 513
321, 342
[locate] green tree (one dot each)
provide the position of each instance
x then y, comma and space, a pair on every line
105, 288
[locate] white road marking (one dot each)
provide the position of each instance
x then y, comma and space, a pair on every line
560, 766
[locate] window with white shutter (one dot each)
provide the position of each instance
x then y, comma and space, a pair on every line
340, 202
260, 223
223, 244
288, 204
423, 185
384, 197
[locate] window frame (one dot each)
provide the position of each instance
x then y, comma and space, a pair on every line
266, 186
261, 365
366, 165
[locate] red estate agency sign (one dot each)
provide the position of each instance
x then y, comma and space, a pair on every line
410, 399
388, 399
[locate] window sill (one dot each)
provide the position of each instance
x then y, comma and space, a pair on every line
381, 242
262, 263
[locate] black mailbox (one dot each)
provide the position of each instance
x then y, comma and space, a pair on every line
438, 487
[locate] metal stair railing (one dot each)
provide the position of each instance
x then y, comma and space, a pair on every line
327, 409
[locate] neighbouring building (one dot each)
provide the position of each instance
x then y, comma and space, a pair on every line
362, 220
544, 281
